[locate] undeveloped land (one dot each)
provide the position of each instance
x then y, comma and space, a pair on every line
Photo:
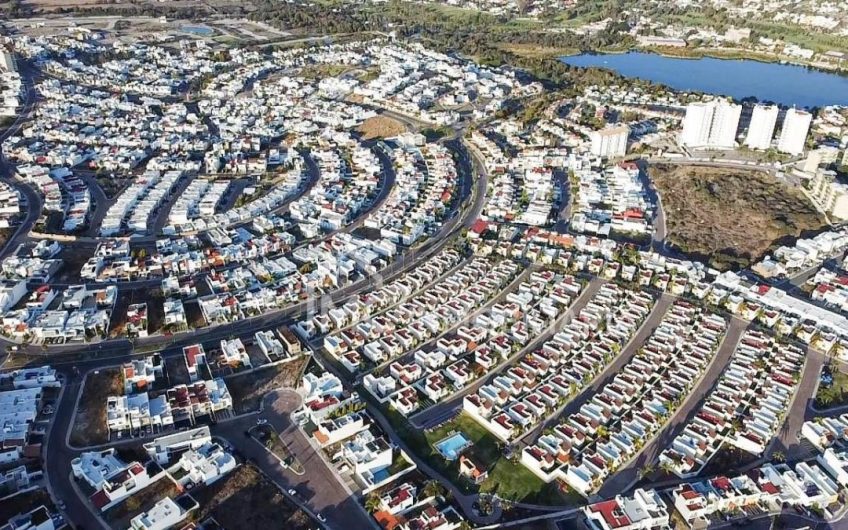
24, 503
246, 499
381, 127
119, 516
248, 388
730, 216
90, 422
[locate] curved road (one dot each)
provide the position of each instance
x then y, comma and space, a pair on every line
323, 494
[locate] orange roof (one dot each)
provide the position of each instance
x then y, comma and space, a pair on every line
386, 520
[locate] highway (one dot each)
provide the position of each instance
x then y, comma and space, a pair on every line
80, 359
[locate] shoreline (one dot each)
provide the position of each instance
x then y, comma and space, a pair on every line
712, 53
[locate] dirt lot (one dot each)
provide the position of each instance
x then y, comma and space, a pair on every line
119, 516
90, 422
730, 216
381, 127
248, 389
246, 499
24, 503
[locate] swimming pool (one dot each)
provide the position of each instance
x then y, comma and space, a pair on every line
452, 446
203, 31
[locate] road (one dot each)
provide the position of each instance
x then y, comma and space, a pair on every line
33, 199
610, 372
101, 204
323, 494
439, 413
58, 456
800, 410
627, 475
317, 488
729, 164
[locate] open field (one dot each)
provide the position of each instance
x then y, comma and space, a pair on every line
89, 427
381, 127
246, 499
323, 70
248, 388
730, 216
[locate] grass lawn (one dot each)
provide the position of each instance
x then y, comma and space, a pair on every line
509, 479
90, 422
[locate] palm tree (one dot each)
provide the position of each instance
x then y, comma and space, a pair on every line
373, 502
464, 525
433, 489
826, 398
778, 456
646, 470
666, 467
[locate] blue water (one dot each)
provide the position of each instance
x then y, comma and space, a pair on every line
380, 475
779, 83
451, 446
198, 30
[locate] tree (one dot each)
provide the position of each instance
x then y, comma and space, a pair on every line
433, 489
373, 502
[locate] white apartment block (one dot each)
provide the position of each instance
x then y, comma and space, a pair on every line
828, 194
711, 125
610, 142
793, 135
761, 129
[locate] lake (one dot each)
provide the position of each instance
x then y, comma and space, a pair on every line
781, 83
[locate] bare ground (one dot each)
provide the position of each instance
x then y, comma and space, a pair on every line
247, 499
119, 516
730, 216
89, 426
248, 388
381, 127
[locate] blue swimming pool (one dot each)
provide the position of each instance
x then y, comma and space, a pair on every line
452, 446
203, 31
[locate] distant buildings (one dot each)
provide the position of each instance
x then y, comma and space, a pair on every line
711, 125
761, 130
610, 142
829, 195
7, 61
796, 125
